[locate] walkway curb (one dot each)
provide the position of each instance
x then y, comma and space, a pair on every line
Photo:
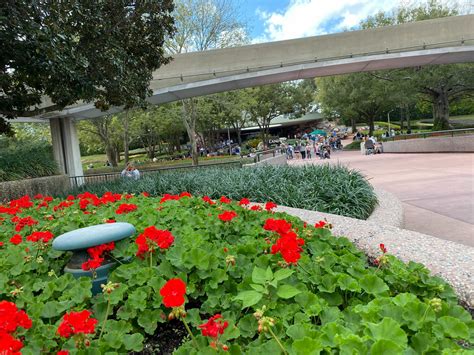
449, 260
389, 210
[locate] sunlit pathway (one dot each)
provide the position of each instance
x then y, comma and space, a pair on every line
437, 190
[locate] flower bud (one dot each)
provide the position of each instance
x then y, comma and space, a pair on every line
436, 304
225, 347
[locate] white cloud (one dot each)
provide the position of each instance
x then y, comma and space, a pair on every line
304, 18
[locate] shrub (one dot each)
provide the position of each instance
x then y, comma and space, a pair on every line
252, 282
324, 188
22, 160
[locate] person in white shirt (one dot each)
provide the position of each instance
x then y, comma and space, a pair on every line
130, 171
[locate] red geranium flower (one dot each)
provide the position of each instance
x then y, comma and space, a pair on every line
1, 244
77, 323
256, 208
173, 293
16, 239
45, 237
126, 208
184, 194
320, 224
244, 202
38, 197
168, 197
11, 318
62, 352
214, 326
289, 246
70, 198
96, 254
270, 205
151, 238
110, 221
227, 216
9, 345
145, 194
277, 225
382, 248
208, 200
224, 199
22, 202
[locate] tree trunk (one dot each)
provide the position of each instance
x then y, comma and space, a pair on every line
371, 125
407, 117
125, 137
239, 137
353, 125
401, 120
189, 119
441, 112
109, 150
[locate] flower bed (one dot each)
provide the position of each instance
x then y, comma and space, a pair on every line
204, 276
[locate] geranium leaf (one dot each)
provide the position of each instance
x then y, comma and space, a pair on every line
259, 275
249, 298
373, 284
282, 274
287, 291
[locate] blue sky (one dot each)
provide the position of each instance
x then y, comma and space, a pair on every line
273, 20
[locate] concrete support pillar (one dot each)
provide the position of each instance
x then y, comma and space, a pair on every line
66, 146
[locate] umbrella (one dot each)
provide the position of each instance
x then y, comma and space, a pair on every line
320, 132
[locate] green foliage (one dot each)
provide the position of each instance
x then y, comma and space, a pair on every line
332, 301
93, 51
25, 159
332, 189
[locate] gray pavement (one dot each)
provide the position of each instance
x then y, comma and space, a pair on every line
437, 190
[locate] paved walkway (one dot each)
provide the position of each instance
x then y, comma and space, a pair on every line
437, 190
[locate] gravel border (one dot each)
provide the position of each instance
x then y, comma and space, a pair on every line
451, 261
389, 210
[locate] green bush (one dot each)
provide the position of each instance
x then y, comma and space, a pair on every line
324, 188
23, 160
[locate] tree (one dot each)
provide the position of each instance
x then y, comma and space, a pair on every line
271, 101
157, 126
95, 51
203, 25
109, 130
359, 94
440, 85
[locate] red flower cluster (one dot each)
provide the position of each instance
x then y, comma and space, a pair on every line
10, 320
382, 248
279, 226
77, 323
224, 199
173, 293
270, 205
62, 205
288, 245
145, 194
214, 326
244, 202
126, 208
45, 237
21, 223
22, 202
16, 239
168, 197
97, 256
227, 216
256, 208
208, 200
152, 238
320, 224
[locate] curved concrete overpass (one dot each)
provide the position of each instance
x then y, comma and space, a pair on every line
439, 41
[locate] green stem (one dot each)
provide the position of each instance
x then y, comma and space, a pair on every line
302, 268
190, 333
151, 259
117, 260
105, 319
424, 315
277, 340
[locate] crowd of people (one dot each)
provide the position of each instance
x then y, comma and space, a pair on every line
313, 147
